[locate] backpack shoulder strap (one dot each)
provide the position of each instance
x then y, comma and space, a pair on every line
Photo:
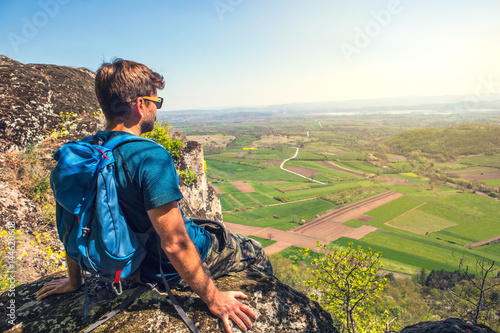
119, 140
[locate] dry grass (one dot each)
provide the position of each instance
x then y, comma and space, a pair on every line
28, 171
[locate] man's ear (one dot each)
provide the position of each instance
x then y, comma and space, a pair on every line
139, 107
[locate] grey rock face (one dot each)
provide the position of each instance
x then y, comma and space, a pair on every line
280, 309
200, 199
33, 96
449, 325
14, 207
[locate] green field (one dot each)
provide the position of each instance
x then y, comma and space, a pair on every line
418, 250
253, 156
359, 166
227, 202
269, 174
402, 166
327, 174
421, 222
477, 206
293, 253
267, 190
346, 156
475, 232
285, 214
491, 182
486, 160
306, 155
227, 168
265, 154
264, 241
473, 205
232, 201
475, 170
493, 249
411, 178
426, 228
447, 214
286, 187
449, 237
391, 210
262, 198
325, 189
226, 187
453, 166
410, 261
246, 199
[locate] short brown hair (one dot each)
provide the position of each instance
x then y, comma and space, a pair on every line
121, 81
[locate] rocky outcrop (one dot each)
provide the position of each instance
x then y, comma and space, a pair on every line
35, 99
32, 98
29, 251
449, 325
16, 208
280, 309
200, 199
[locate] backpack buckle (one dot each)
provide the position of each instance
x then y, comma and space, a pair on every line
118, 290
118, 282
85, 231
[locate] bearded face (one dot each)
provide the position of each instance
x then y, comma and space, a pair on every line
148, 121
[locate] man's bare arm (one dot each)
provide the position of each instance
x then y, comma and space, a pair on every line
175, 242
64, 285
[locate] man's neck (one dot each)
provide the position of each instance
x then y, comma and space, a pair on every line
122, 128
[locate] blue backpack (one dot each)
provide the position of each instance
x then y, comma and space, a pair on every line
90, 222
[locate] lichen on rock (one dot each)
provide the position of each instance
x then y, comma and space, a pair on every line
33, 97
280, 308
200, 199
448, 325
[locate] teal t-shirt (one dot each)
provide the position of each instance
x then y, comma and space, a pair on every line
146, 178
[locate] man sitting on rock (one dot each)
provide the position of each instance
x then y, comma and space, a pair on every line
148, 190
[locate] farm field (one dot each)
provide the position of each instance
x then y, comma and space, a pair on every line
428, 226
486, 160
427, 223
283, 217
492, 182
360, 166
324, 173
265, 242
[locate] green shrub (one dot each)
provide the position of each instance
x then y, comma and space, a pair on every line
282, 198
188, 176
160, 134
351, 195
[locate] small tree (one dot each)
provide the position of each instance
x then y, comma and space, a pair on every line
474, 295
348, 285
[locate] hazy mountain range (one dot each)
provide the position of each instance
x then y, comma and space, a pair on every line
447, 103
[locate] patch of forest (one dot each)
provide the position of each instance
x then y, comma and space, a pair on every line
452, 141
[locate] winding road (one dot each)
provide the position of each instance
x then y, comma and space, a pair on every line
295, 173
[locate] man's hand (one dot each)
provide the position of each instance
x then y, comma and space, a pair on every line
227, 307
64, 285
175, 242
59, 286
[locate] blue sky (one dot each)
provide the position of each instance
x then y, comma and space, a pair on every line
216, 53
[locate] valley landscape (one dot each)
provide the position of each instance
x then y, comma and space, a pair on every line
418, 184
358, 142
422, 199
